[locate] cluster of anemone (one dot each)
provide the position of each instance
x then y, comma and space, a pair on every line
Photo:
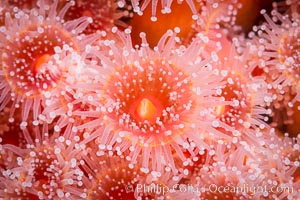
88, 112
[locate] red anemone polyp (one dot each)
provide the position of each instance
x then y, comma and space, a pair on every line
235, 90
26, 59
150, 98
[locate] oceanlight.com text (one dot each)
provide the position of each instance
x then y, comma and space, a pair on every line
212, 188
